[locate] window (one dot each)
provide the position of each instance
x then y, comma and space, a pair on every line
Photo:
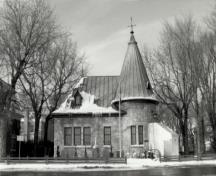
78, 100
67, 136
140, 133
86, 136
77, 135
133, 135
107, 135
148, 85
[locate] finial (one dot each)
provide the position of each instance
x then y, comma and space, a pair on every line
131, 25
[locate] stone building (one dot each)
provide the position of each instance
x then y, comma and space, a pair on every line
112, 113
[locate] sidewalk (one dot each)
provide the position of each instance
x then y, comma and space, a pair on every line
132, 164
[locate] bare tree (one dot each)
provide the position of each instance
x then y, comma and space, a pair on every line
170, 70
26, 26
68, 70
57, 69
197, 101
207, 80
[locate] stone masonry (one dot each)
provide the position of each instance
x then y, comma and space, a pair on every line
96, 123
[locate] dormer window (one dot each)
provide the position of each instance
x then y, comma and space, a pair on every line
78, 100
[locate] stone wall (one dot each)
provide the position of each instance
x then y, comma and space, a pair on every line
138, 113
97, 125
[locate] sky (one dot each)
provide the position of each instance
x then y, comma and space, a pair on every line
100, 27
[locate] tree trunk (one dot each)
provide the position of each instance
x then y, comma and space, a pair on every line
213, 143
213, 125
185, 140
214, 140
200, 137
36, 131
198, 143
46, 125
185, 133
201, 133
3, 136
6, 124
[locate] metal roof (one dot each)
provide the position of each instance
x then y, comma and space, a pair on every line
103, 87
134, 82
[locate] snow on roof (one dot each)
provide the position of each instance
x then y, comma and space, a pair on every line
151, 98
88, 106
81, 81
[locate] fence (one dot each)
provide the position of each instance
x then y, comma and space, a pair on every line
208, 156
50, 160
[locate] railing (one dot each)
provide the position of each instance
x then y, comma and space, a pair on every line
50, 160
188, 157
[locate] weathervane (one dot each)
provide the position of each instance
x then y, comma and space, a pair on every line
131, 25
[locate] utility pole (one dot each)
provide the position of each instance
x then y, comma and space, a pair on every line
120, 145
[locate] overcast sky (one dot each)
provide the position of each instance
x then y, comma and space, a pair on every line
100, 26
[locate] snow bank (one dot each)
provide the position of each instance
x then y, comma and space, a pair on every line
88, 106
140, 162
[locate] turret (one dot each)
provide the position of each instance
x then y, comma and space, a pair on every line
134, 83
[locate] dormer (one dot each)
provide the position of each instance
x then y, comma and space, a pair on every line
77, 99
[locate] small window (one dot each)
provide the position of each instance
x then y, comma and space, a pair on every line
133, 135
140, 133
86, 136
107, 135
77, 135
148, 85
78, 100
67, 136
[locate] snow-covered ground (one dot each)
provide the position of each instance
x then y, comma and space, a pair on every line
132, 164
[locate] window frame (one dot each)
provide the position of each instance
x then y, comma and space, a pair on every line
140, 134
133, 135
107, 135
86, 135
66, 135
79, 135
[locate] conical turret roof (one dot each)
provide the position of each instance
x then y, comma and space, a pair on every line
134, 83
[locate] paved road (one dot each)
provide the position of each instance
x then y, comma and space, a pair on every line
174, 171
